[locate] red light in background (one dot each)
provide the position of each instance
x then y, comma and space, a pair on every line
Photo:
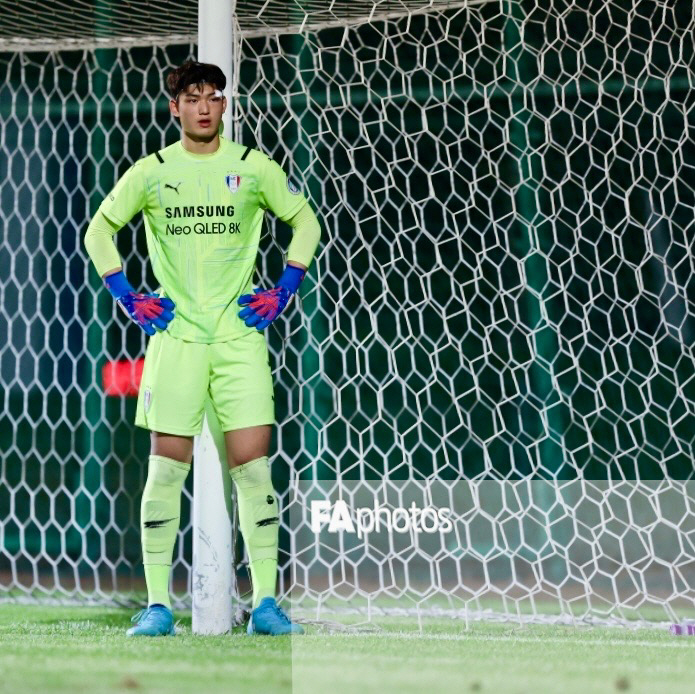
122, 377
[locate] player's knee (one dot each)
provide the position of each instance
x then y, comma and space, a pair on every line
248, 444
179, 448
245, 457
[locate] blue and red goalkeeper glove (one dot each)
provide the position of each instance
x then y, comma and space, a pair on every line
265, 305
149, 311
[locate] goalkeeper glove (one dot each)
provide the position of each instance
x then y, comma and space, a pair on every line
265, 305
149, 311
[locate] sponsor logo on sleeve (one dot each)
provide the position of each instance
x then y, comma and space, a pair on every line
292, 187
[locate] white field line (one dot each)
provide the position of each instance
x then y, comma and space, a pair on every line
683, 642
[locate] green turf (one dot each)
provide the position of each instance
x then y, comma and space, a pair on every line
81, 649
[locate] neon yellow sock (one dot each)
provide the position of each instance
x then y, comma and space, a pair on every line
159, 522
264, 574
259, 522
157, 579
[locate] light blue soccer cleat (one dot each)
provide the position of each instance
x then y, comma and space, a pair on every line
270, 618
153, 621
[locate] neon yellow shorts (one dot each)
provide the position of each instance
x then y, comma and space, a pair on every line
178, 376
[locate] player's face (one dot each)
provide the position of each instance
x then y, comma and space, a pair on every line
200, 111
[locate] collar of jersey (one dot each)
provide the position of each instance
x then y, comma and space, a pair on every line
192, 155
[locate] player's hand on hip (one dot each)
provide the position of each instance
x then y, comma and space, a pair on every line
150, 311
265, 305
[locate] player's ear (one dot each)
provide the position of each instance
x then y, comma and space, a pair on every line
174, 107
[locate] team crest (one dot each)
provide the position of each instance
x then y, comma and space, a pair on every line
233, 182
292, 188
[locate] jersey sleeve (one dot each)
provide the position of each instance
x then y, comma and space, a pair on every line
127, 198
278, 193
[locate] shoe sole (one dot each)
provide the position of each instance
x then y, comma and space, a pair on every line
168, 633
251, 631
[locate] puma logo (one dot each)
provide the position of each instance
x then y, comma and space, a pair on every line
175, 188
157, 523
266, 521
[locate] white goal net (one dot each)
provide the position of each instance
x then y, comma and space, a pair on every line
503, 296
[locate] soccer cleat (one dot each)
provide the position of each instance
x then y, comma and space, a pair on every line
270, 618
153, 621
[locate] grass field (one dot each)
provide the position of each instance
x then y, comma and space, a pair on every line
82, 649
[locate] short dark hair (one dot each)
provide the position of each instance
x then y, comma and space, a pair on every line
192, 72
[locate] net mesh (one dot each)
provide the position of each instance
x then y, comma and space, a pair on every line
504, 289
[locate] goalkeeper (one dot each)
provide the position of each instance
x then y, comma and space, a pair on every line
203, 201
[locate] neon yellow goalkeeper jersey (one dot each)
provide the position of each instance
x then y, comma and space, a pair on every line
203, 218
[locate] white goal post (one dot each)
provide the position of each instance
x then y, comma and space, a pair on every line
212, 584
502, 308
